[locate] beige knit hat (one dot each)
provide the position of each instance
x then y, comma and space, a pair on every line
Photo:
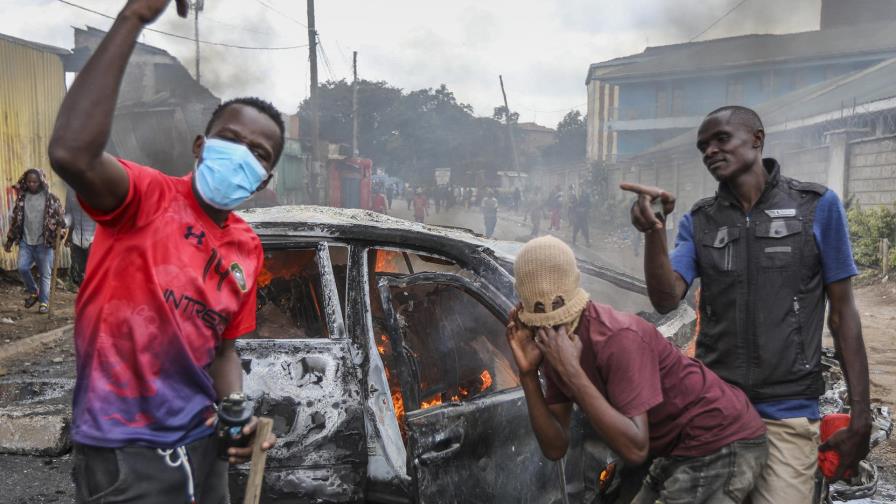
544, 270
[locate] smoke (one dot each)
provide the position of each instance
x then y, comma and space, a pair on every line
275, 75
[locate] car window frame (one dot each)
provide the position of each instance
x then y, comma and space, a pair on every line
482, 292
335, 319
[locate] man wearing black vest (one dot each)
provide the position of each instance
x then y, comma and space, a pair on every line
769, 250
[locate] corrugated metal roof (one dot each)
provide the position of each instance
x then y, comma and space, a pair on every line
732, 53
34, 45
32, 86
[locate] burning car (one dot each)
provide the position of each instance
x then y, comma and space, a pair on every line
380, 355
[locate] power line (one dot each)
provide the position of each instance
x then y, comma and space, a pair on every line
323, 53
719, 19
160, 32
287, 16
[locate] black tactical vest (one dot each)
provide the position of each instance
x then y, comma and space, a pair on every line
762, 300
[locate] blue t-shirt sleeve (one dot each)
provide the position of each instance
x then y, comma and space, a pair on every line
832, 237
684, 256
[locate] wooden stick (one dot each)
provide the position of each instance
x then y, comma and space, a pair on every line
59, 237
259, 457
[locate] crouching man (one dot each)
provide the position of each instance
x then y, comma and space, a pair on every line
641, 395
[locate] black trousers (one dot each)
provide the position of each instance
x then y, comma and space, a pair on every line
136, 474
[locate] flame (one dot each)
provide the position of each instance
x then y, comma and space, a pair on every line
433, 401
486, 378
398, 403
387, 261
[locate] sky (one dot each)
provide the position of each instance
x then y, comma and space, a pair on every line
541, 47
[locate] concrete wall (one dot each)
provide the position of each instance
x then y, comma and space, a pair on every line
871, 177
810, 165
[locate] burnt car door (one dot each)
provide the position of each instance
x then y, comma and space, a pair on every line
465, 418
298, 370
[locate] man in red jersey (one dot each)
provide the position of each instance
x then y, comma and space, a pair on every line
170, 286
641, 395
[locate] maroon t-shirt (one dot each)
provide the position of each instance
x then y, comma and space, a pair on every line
691, 412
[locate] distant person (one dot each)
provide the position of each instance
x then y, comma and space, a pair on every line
569, 204
379, 202
535, 214
555, 207
390, 193
421, 206
37, 220
80, 236
581, 214
408, 195
490, 212
437, 197
517, 198
639, 392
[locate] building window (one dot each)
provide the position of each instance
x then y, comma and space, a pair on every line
662, 103
735, 92
677, 102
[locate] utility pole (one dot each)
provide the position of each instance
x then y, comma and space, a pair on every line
198, 5
317, 186
516, 165
355, 104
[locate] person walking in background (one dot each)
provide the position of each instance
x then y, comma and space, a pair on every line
490, 212
517, 198
555, 207
379, 202
390, 193
569, 204
408, 195
81, 230
535, 213
37, 220
581, 216
421, 206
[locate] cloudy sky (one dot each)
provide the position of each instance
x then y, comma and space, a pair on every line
542, 47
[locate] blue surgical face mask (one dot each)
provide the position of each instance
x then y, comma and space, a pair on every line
228, 174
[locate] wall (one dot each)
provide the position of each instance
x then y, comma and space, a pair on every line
809, 165
32, 86
871, 177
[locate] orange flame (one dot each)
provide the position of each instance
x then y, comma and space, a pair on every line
486, 378
398, 403
387, 261
433, 401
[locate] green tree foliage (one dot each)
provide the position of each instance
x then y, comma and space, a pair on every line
410, 133
867, 227
570, 145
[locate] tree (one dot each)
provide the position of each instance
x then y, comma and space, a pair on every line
571, 139
500, 115
409, 133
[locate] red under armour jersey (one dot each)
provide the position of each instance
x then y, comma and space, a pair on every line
164, 285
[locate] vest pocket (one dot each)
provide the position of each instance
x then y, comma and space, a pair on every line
778, 242
720, 248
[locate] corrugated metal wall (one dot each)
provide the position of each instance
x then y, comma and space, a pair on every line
32, 85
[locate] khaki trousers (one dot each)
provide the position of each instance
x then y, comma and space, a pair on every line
789, 475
